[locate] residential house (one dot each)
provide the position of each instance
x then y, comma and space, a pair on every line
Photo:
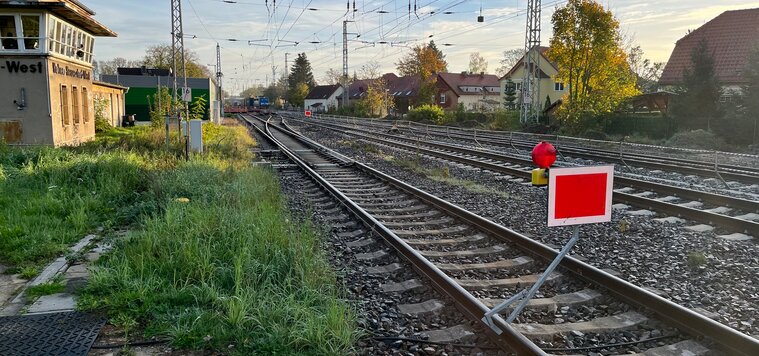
475, 91
404, 91
730, 37
322, 98
550, 88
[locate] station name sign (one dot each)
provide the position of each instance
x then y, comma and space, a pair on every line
69, 72
17, 67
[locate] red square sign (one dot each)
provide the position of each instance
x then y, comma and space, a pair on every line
580, 195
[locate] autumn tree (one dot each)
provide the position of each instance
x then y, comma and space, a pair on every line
477, 63
297, 95
376, 99
648, 73
586, 47
424, 61
509, 60
697, 102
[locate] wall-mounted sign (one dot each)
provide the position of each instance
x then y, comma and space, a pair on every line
18, 67
71, 72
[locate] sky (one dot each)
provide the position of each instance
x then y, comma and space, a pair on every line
254, 35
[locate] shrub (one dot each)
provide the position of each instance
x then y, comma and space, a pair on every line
506, 120
697, 139
101, 123
426, 112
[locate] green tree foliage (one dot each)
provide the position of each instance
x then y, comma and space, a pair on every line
740, 124
697, 102
198, 108
159, 56
298, 94
301, 73
252, 92
427, 113
586, 46
101, 121
510, 95
510, 58
160, 106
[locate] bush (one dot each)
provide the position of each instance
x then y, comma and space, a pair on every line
506, 120
697, 139
595, 135
430, 113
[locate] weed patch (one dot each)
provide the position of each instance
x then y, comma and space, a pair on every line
55, 286
443, 175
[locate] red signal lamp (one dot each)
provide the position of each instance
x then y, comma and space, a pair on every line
544, 155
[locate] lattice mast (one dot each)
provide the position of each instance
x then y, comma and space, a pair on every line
177, 52
219, 74
345, 63
530, 93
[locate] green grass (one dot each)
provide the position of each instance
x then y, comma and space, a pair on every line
52, 287
211, 260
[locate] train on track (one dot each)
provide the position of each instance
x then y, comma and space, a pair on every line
259, 104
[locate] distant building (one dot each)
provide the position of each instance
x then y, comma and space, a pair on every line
323, 98
403, 90
112, 97
730, 37
46, 83
143, 83
547, 70
476, 92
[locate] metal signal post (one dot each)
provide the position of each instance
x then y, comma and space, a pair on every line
178, 60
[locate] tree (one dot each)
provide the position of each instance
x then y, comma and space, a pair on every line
333, 76
198, 108
510, 95
510, 59
477, 64
424, 61
697, 102
647, 72
109, 67
159, 56
586, 46
298, 94
252, 92
301, 73
276, 90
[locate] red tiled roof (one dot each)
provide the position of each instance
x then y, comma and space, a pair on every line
457, 80
730, 37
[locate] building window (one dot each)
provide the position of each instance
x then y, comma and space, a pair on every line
557, 86
519, 85
85, 105
20, 33
70, 41
75, 104
442, 98
65, 105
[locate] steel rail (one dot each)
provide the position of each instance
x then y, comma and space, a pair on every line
472, 307
703, 216
726, 171
677, 315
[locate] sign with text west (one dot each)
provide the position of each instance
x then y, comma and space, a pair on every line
580, 195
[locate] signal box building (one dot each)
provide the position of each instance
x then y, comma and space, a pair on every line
46, 50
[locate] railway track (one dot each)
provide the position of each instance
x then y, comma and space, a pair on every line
476, 263
745, 174
737, 216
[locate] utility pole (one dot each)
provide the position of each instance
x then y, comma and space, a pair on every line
345, 63
219, 74
178, 62
287, 75
531, 83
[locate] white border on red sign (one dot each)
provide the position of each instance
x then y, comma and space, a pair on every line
557, 172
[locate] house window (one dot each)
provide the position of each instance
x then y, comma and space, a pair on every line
442, 98
558, 86
20, 33
70, 41
65, 105
519, 85
75, 104
85, 105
